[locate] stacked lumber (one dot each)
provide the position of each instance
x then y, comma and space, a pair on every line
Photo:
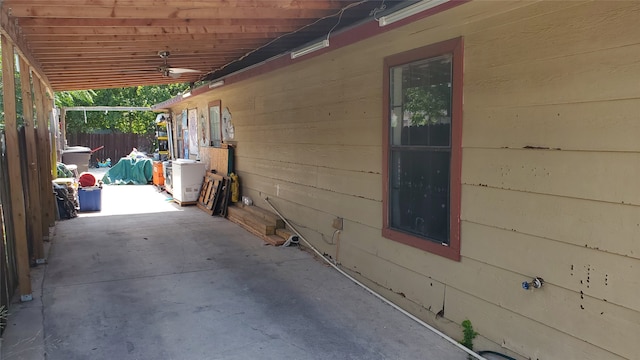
215, 194
262, 223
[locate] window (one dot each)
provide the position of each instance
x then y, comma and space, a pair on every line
422, 147
215, 130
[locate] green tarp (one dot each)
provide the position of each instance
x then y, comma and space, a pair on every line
130, 171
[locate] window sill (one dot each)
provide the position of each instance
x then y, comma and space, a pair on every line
422, 244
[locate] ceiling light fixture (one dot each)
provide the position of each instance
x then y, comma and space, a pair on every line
409, 11
309, 49
216, 84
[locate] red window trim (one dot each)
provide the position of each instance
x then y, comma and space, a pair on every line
456, 47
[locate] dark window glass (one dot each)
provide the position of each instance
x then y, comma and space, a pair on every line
420, 147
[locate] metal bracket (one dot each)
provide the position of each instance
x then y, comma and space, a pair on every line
25, 298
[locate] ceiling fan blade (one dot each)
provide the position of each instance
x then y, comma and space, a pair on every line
182, 70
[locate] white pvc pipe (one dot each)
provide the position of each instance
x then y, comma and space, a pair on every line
372, 292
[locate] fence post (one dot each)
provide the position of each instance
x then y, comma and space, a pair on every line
34, 216
13, 160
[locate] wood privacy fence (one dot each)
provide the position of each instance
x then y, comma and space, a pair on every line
8, 269
116, 145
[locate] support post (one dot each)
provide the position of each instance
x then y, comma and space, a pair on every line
50, 140
34, 219
13, 162
44, 152
63, 128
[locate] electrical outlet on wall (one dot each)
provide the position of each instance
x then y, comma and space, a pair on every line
337, 223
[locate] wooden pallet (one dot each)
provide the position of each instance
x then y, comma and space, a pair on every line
214, 194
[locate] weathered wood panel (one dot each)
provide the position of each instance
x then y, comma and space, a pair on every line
506, 326
357, 209
567, 79
603, 226
17, 202
404, 282
594, 126
563, 173
343, 157
584, 271
593, 26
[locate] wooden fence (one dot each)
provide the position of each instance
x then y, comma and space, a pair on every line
8, 269
115, 145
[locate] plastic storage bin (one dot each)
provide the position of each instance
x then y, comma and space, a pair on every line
90, 198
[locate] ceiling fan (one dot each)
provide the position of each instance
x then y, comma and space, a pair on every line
167, 71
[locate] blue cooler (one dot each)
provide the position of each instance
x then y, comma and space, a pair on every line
90, 198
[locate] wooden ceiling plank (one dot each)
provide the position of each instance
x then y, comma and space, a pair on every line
43, 37
176, 46
278, 4
111, 30
67, 10
12, 31
92, 23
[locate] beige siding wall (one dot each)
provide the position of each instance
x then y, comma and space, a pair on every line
550, 169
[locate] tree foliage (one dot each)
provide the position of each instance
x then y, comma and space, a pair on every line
136, 122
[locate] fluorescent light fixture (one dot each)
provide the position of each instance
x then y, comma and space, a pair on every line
216, 84
309, 49
409, 10
186, 95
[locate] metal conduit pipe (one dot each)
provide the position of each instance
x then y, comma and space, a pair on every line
372, 292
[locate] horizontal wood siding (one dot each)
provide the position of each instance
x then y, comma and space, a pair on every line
549, 172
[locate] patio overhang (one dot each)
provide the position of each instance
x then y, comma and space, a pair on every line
89, 44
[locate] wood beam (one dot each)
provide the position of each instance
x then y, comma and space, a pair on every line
10, 29
13, 161
132, 51
156, 44
41, 37
84, 85
125, 58
142, 30
46, 192
111, 22
34, 221
295, 4
211, 11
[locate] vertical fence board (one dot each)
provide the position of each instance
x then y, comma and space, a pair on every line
34, 218
13, 161
116, 145
42, 131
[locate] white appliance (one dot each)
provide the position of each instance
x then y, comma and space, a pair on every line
187, 176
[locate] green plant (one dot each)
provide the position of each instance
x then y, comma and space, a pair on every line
425, 106
468, 334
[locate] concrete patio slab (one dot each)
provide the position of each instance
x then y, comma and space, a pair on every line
146, 279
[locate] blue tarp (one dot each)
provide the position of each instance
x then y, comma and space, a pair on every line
130, 171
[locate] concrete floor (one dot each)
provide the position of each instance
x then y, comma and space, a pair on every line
146, 279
